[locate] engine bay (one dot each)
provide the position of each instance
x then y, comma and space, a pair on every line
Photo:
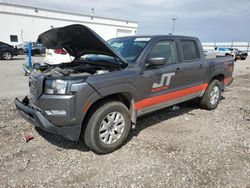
75, 69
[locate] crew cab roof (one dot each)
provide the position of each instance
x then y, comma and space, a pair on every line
161, 36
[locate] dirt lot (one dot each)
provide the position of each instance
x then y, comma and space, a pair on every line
189, 147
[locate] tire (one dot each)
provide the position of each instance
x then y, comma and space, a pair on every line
7, 55
101, 134
213, 90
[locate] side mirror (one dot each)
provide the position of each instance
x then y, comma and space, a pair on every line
156, 61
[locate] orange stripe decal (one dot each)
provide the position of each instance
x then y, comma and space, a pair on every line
169, 96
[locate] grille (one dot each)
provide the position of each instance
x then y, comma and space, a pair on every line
36, 85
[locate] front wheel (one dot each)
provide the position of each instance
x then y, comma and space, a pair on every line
211, 98
108, 127
6, 56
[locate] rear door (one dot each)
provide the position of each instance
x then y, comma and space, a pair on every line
192, 63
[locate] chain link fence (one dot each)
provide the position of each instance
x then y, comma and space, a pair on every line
243, 46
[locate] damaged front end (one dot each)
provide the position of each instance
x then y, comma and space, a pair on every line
59, 93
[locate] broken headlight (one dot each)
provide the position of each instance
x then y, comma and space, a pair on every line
55, 87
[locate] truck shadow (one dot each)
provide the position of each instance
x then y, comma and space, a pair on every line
19, 58
159, 116
61, 142
143, 123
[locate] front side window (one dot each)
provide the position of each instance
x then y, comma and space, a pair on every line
189, 50
222, 49
165, 49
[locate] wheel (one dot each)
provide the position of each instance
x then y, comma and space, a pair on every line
211, 98
108, 127
6, 56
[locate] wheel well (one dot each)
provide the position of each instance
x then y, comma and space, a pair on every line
219, 77
125, 98
6, 51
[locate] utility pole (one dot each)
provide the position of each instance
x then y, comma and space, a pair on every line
22, 34
173, 20
92, 13
248, 45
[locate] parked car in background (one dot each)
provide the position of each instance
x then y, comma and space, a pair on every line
239, 55
22, 48
57, 56
7, 51
221, 51
36, 48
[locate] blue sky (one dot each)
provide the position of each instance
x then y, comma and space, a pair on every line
210, 20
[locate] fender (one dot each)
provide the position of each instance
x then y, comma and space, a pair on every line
121, 88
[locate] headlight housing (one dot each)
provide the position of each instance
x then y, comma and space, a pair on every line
55, 87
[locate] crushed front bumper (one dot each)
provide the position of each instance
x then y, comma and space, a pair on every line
34, 116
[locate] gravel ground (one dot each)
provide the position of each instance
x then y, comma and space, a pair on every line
189, 147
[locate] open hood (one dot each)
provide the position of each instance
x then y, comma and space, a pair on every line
78, 40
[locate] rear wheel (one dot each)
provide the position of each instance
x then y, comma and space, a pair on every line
211, 98
108, 127
6, 56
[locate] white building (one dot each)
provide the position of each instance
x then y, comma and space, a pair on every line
21, 23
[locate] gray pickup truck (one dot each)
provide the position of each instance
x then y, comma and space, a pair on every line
99, 95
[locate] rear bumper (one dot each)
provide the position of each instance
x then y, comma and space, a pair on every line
34, 116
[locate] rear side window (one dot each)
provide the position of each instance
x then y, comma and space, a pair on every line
189, 50
166, 49
222, 49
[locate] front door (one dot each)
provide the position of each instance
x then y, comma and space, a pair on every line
157, 84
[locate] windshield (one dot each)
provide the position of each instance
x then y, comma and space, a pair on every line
130, 48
